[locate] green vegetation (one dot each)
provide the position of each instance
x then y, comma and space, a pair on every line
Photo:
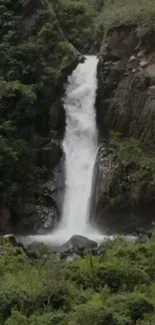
34, 55
85, 21
117, 287
119, 12
77, 21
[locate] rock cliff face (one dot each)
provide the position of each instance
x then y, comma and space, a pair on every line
126, 74
125, 106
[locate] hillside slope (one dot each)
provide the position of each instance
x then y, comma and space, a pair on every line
35, 60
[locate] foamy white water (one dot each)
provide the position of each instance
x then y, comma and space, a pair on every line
80, 148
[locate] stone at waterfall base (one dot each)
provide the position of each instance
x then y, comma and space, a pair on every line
77, 244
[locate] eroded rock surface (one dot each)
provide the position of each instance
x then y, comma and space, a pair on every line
126, 93
126, 109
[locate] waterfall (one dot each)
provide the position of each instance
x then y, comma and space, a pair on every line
80, 147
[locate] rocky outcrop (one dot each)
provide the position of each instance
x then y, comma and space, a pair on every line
80, 242
126, 79
124, 190
126, 108
46, 152
43, 213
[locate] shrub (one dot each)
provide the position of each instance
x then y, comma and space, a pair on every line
30, 287
47, 318
91, 315
17, 319
113, 275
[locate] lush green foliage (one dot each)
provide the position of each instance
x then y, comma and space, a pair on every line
117, 287
119, 12
34, 54
76, 18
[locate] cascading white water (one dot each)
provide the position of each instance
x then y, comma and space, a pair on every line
80, 146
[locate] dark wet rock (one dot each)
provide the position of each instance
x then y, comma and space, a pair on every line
47, 218
149, 234
78, 245
63, 250
5, 219
37, 219
146, 231
80, 242
47, 190
142, 239
82, 59
57, 120
48, 156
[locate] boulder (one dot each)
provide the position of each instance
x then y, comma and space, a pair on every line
78, 242
76, 246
